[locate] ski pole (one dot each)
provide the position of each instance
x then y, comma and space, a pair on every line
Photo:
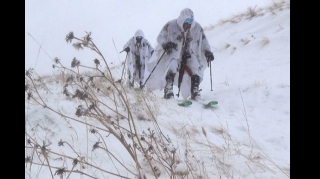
122, 51
153, 69
124, 65
139, 68
210, 75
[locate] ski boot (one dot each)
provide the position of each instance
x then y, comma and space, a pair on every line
168, 90
195, 92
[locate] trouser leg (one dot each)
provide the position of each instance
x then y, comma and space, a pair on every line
168, 90
195, 92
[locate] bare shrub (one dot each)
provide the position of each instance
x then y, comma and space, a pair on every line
251, 12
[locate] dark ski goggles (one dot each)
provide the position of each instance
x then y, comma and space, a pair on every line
139, 37
189, 20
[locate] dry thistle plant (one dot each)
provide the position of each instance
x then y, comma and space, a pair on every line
103, 104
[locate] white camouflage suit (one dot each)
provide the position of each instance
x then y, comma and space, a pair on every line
173, 31
143, 50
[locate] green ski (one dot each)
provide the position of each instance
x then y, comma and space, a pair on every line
185, 103
210, 104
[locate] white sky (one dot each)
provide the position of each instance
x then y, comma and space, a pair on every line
251, 82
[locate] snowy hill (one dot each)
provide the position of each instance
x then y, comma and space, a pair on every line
82, 124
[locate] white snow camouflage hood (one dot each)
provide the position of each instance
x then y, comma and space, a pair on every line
138, 33
185, 14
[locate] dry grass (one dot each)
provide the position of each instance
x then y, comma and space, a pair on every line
227, 46
253, 12
245, 41
265, 41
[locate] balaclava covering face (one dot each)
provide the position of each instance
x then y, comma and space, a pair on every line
138, 36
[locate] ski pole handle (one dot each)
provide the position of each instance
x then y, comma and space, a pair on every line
210, 75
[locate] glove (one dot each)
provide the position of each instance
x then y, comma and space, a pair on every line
152, 52
127, 49
186, 55
169, 45
209, 56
